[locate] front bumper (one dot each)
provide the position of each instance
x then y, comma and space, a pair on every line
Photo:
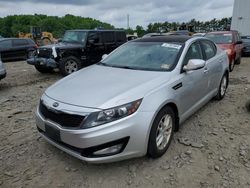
2, 73
43, 62
134, 128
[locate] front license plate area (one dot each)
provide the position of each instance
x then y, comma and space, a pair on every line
52, 133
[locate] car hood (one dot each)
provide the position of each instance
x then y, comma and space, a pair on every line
225, 46
104, 87
63, 45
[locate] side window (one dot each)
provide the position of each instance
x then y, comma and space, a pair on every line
109, 37
5, 44
194, 52
20, 42
209, 49
95, 37
120, 37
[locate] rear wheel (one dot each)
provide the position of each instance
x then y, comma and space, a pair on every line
43, 69
161, 132
223, 87
69, 65
231, 66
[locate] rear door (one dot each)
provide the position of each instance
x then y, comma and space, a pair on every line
109, 41
213, 64
95, 47
5, 50
20, 48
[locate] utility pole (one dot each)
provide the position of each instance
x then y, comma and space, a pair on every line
127, 21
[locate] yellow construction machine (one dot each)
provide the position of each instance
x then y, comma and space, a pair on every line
40, 37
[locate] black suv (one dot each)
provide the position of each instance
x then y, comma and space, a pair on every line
77, 49
13, 49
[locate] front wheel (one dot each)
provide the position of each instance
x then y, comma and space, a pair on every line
43, 69
161, 132
69, 65
223, 87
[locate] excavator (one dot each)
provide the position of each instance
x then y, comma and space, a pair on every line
41, 38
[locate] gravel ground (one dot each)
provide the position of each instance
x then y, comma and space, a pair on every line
211, 150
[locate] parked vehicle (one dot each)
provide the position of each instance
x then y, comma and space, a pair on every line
77, 49
1, 37
199, 34
231, 42
13, 49
131, 102
2, 69
131, 37
246, 45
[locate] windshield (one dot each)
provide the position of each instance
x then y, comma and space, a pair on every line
75, 36
155, 56
221, 38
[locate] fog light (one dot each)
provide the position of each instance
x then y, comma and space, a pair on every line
109, 151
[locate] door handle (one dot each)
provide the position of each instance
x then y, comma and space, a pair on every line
206, 70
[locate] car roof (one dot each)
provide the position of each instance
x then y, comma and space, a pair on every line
2, 39
171, 38
222, 32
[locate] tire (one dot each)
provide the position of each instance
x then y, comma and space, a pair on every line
157, 150
231, 66
238, 61
43, 69
69, 65
223, 87
30, 54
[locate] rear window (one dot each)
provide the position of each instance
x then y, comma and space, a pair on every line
220, 38
108, 37
20, 42
5, 44
120, 37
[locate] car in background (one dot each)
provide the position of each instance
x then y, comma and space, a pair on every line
199, 34
129, 104
13, 49
1, 37
77, 49
229, 41
246, 45
131, 37
2, 69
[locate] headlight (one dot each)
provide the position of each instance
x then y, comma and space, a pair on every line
112, 114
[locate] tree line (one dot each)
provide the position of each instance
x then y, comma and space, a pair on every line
10, 26
194, 25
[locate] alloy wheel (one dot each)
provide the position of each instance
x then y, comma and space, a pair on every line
164, 130
71, 66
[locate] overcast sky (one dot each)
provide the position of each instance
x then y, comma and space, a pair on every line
142, 12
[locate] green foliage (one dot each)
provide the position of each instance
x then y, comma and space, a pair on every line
10, 26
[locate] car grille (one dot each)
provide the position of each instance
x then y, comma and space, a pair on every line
44, 52
63, 119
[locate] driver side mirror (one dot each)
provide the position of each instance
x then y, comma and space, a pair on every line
194, 64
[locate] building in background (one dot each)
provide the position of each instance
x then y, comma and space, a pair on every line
241, 17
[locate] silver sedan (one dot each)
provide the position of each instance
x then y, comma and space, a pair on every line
131, 103
2, 69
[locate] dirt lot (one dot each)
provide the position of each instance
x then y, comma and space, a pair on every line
211, 150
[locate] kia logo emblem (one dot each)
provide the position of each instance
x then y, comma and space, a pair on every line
55, 104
